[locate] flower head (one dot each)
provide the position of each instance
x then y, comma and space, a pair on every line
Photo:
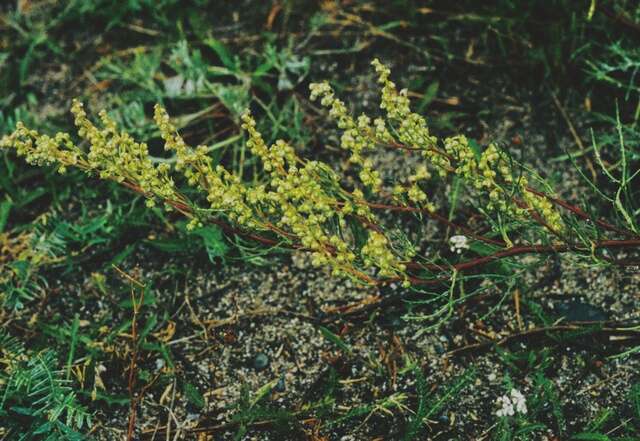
511, 404
458, 243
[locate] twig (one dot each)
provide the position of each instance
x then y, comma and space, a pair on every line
224, 426
403, 208
516, 302
620, 18
544, 330
133, 365
527, 249
574, 133
131, 383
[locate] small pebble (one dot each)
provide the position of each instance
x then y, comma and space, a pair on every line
280, 385
577, 311
393, 321
260, 361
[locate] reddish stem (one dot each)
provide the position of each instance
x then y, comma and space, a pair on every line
574, 209
463, 266
469, 232
526, 249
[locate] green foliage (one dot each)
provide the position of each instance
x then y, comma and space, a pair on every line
429, 404
194, 396
20, 284
251, 408
617, 67
213, 240
336, 340
36, 401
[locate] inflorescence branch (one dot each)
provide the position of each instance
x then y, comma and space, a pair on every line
302, 204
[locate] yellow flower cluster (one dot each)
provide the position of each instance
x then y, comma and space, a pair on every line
296, 195
225, 191
300, 201
546, 209
412, 191
411, 128
492, 170
112, 154
115, 155
412, 131
275, 158
481, 173
41, 150
357, 136
364, 134
377, 252
458, 148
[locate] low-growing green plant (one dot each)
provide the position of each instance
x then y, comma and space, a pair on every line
36, 401
304, 204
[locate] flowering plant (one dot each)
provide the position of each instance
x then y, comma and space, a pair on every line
511, 404
305, 204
